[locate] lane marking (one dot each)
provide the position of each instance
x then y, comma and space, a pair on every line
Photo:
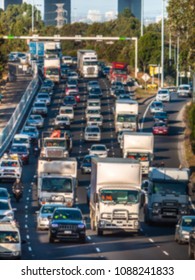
28, 237
89, 237
30, 249
144, 115
98, 250
26, 216
151, 240
167, 254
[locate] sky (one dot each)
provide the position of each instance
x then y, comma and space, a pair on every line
81, 7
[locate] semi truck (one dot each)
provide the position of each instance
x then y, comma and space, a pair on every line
118, 72
126, 115
52, 68
167, 195
57, 180
139, 146
87, 63
115, 195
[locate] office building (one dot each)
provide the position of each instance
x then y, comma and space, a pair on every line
57, 12
10, 2
133, 5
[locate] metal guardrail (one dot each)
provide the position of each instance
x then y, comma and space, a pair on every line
8, 132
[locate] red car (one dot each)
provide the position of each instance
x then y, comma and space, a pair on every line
70, 89
21, 151
160, 128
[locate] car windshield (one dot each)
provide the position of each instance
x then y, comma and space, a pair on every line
95, 90
18, 149
98, 148
56, 185
93, 129
97, 119
119, 196
52, 71
126, 118
120, 71
163, 92
184, 88
20, 141
160, 124
157, 105
66, 111
87, 159
4, 205
9, 237
138, 156
10, 163
48, 209
43, 96
161, 114
35, 118
170, 187
66, 214
54, 143
62, 118
188, 222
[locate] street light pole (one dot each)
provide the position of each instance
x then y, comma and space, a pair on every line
142, 17
162, 45
177, 66
32, 15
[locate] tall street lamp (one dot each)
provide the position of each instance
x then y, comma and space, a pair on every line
33, 15
142, 17
162, 45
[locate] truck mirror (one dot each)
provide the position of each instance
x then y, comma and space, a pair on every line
95, 198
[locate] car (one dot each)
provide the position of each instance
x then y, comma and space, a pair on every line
163, 95
67, 111
161, 117
76, 96
191, 244
99, 150
31, 131
96, 91
93, 97
66, 59
46, 89
48, 83
4, 195
21, 140
105, 71
44, 214
156, 106
92, 84
10, 167
73, 75
116, 85
95, 120
86, 164
67, 223
93, 104
71, 88
71, 82
21, 151
117, 92
91, 112
69, 101
35, 120
184, 226
160, 128
43, 97
6, 210
62, 122
184, 90
92, 133
39, 108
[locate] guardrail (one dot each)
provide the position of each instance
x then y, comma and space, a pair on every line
12, 126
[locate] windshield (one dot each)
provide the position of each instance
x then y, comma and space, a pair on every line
163, 92
9, 237
138, 156
119, 196
188, 222
4, 205
167, 187
43, 96
35, 118
90, 63
126, 118
57, 185
19, 149
52, 71
94, 119
92, 129
48, 209
55, 143
98, 148
10, 163
66, 111
184, 88
66, 214
20, 141
120, 71
29, 129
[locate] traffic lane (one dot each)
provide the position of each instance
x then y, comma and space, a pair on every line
166, 147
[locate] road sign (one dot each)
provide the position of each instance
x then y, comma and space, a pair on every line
145, 77
33, 48
40, 48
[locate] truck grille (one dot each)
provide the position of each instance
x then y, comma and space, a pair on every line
55, 153
90, 70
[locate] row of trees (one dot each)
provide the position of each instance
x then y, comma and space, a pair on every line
17, 20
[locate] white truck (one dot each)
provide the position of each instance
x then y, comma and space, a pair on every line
87, 63
52, 68
52, 48
55, 144
126, 115
167, 195
115, 195
139, 146
57, 180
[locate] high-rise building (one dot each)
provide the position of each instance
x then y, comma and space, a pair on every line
57, 12
10, 2
133, 5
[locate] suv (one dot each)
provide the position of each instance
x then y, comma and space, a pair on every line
184, 90
163, 95
67, 223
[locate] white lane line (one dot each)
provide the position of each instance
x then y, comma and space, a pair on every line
26, 226
27, 236
26, 207
29, 190
89, 237
144, 115
151, 240
30, 249
98, 250
27, 198
167, 254
26, 216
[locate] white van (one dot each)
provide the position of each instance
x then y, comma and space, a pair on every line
21, 139
163, 95
10, 240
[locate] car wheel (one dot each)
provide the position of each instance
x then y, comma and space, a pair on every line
82, 239
100, 232
51, 239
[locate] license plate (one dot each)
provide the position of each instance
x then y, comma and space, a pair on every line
67, 232
169, 214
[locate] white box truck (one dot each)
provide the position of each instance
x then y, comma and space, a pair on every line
126, 115
52, 68
87, 63
57, 180
115, 195
167, 195
139, 146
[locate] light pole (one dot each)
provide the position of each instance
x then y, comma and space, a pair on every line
142, 17
32, 15
162, 45
177, 61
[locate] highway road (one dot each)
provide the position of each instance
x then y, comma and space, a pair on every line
153, 242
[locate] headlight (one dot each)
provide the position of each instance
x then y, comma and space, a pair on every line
184, 232
156, 204
102, 223
54, 225
81, 226
16, 253
136, 223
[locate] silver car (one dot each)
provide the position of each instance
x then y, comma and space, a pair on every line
43, 97
35, 120
99, 150
6, 210
183, 228
92, 133
95, 120
44, 214
39, 108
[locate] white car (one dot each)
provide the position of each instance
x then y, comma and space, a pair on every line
21, 140
10, 167
43, 97
94, 104
156, 106
95, 120
91, 112
62, 122
163, 95
184, 90
67, 111
39, 108
6, 210
35, 120
99, 150
92, 133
